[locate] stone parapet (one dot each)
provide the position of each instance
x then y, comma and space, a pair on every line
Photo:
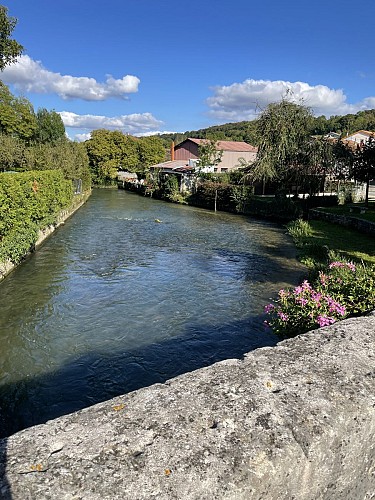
295, 421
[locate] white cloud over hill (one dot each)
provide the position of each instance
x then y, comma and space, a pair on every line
244, 101
28, 75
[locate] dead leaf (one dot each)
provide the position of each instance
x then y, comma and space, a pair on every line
119, 407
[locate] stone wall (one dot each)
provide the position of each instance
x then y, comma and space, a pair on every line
362, 225
295, 421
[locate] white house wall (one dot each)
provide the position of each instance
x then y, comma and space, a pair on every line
230, 159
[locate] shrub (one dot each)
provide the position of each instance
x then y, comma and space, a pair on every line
29, 201
342, 289
299, 230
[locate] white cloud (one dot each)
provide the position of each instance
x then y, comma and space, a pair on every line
28, 75
135, 124
244, 101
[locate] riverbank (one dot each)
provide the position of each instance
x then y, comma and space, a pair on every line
292, 421
78, 200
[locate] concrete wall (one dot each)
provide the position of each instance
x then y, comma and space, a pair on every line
296, 421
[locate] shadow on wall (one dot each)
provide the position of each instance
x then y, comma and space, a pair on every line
94, 377
5, 493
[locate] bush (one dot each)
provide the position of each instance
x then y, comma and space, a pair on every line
299, 230
341, 290
29, 201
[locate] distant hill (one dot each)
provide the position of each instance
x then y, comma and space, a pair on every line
246, 130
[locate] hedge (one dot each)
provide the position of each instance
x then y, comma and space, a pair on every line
29, 201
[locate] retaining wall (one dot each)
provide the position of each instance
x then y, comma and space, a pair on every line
344, 220
295, 421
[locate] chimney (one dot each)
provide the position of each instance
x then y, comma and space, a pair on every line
172, 151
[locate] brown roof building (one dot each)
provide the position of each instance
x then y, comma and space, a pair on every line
188, 151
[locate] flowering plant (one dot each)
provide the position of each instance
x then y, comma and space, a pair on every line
342, 289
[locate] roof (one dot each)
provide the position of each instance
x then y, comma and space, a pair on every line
237, 146
362, 132
176, 166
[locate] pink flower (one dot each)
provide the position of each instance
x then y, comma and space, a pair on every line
323, 320
336, 264
282, 316
316, 296
306, 285
323, 279
301, 301
268, 308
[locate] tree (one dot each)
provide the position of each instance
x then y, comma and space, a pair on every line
150, 151
343, 160
11, 153
209, 154
50, 127
17, 117
110, 151
364, 164
283, 138
9, 48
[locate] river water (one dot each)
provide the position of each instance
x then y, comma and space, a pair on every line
116, 300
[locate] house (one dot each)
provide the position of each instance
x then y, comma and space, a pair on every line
188, 151
356, 139
181, 169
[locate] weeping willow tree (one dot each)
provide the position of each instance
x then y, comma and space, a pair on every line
284, 142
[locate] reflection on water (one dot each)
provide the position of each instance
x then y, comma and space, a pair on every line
114, 301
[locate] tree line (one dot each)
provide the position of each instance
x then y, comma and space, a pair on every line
247, 130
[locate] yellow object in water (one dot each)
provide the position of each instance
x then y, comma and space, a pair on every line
157, 220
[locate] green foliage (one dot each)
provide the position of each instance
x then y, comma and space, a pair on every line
10, 49
150, 152
50, 127
69, 157
12, 153
29, 201
110, 151
342, 289
220, 193
169, 187
364, 164
283, 138
17, 117
209, 154
300, 230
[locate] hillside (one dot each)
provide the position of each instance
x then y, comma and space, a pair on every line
246, 130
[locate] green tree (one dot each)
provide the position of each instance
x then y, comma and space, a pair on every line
50, 127
364, 164
10, 49
67, 156
110, 151
150, 151
17, 117
209, 154
283, 136
12, 152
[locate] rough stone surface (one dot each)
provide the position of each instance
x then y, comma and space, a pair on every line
295, 421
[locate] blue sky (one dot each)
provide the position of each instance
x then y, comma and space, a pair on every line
147, 66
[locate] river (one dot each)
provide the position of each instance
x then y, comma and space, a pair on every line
116, 300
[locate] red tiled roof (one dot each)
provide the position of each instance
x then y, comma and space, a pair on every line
229, 145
